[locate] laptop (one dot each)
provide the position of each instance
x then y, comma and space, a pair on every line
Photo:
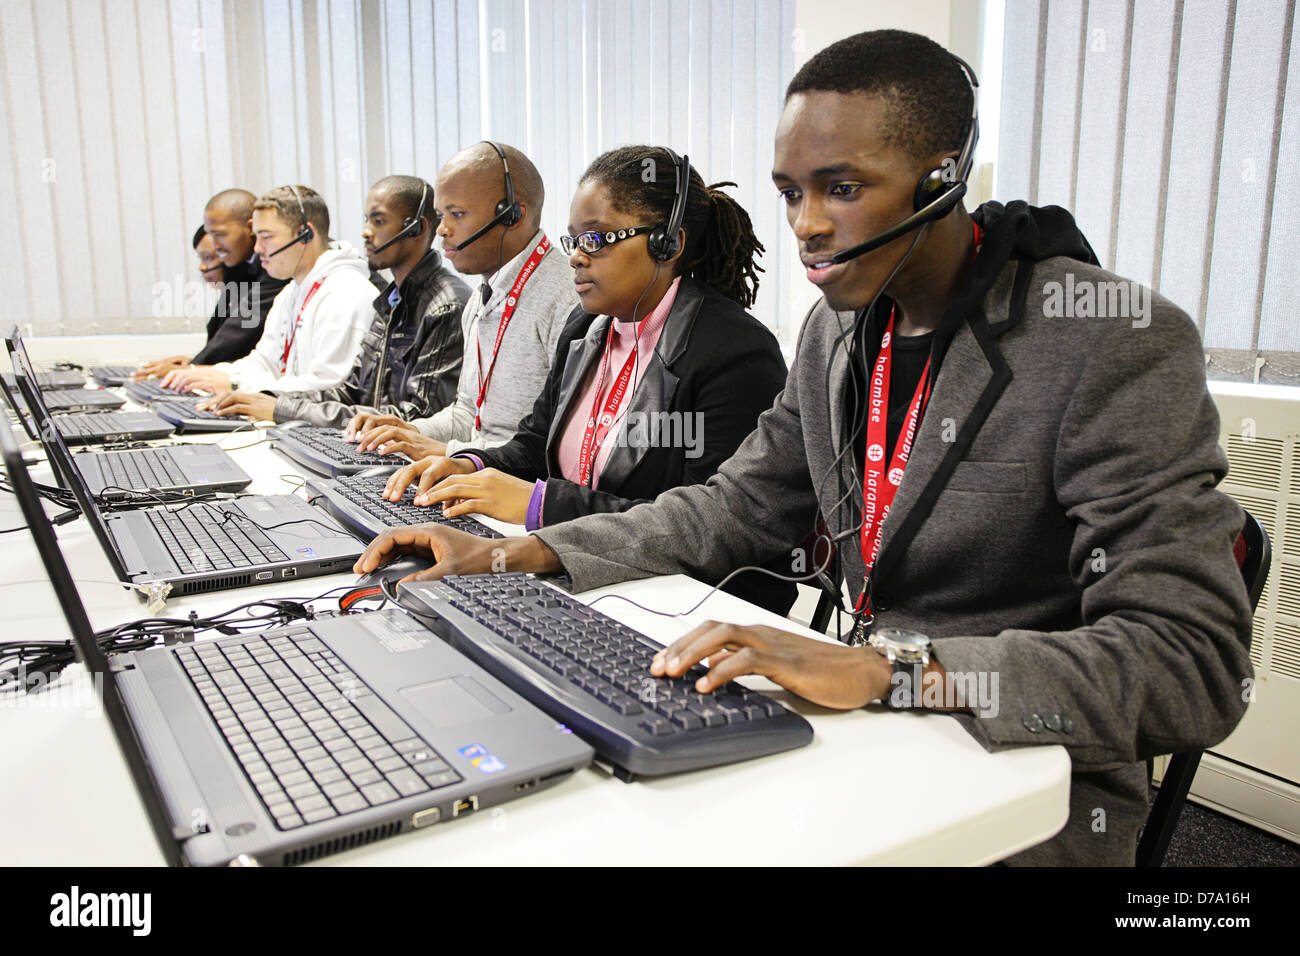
358, 502
95, 428
197, 546
59, 378
281, 746
170, 468
65, 400
326, 452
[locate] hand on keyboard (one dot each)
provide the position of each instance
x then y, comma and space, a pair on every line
488, 492
832, 675
366, 420
160, 367
197, 378
394, 439
427, 471
456, 552
253, 406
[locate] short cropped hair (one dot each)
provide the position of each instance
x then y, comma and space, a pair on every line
924, 86
285, 203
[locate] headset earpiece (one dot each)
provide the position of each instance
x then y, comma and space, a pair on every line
508, 212
305, 232
664, 241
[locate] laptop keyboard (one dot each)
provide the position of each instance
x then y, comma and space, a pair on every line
330, 442
182, 410
140, 469
202, 538
313, 739
367, 494
593, 673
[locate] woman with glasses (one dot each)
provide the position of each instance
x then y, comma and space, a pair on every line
660, 373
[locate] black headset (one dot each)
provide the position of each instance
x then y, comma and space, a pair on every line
663, 242
508, 211
411, 225
305, 232
938, 191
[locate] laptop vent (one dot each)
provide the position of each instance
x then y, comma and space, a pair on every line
339, 844
217, 584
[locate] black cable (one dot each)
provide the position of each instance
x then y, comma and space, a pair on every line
48, 658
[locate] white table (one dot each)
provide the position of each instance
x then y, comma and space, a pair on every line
66, 797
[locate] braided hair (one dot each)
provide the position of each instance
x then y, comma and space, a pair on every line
721, 247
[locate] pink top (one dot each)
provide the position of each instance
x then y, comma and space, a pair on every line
575, 424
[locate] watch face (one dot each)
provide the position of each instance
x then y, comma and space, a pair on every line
900, 644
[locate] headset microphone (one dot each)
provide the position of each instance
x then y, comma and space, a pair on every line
305, 232
935, 210
508, 212
413, 226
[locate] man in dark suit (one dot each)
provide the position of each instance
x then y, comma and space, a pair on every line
1022, 494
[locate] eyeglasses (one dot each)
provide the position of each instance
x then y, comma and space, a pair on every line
591, 242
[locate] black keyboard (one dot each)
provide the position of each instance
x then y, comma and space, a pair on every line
313, 739
146, 391
330, 442
112, 374
185, 409
592, 673
141, 468
367, 493
203, 538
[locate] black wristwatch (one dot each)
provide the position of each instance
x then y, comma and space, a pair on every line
909, 652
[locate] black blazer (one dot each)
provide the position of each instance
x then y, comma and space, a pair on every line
712, 359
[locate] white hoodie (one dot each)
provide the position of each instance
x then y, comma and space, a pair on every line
329, 334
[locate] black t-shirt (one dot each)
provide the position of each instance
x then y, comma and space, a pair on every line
910, 353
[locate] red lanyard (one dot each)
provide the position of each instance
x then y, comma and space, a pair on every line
880, 481
297, 320
512, 300
596, 430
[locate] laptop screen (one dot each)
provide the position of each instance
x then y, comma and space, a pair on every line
88, 649
19, 410
61, 459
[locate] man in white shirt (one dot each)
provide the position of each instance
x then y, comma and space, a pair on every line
314, 329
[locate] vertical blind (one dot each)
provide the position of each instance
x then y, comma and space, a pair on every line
119, 118
1160, 124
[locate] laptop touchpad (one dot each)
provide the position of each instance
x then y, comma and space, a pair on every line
456, 700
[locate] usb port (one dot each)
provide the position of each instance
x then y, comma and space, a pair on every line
468, 805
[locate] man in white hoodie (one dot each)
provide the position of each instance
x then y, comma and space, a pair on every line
314, 329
